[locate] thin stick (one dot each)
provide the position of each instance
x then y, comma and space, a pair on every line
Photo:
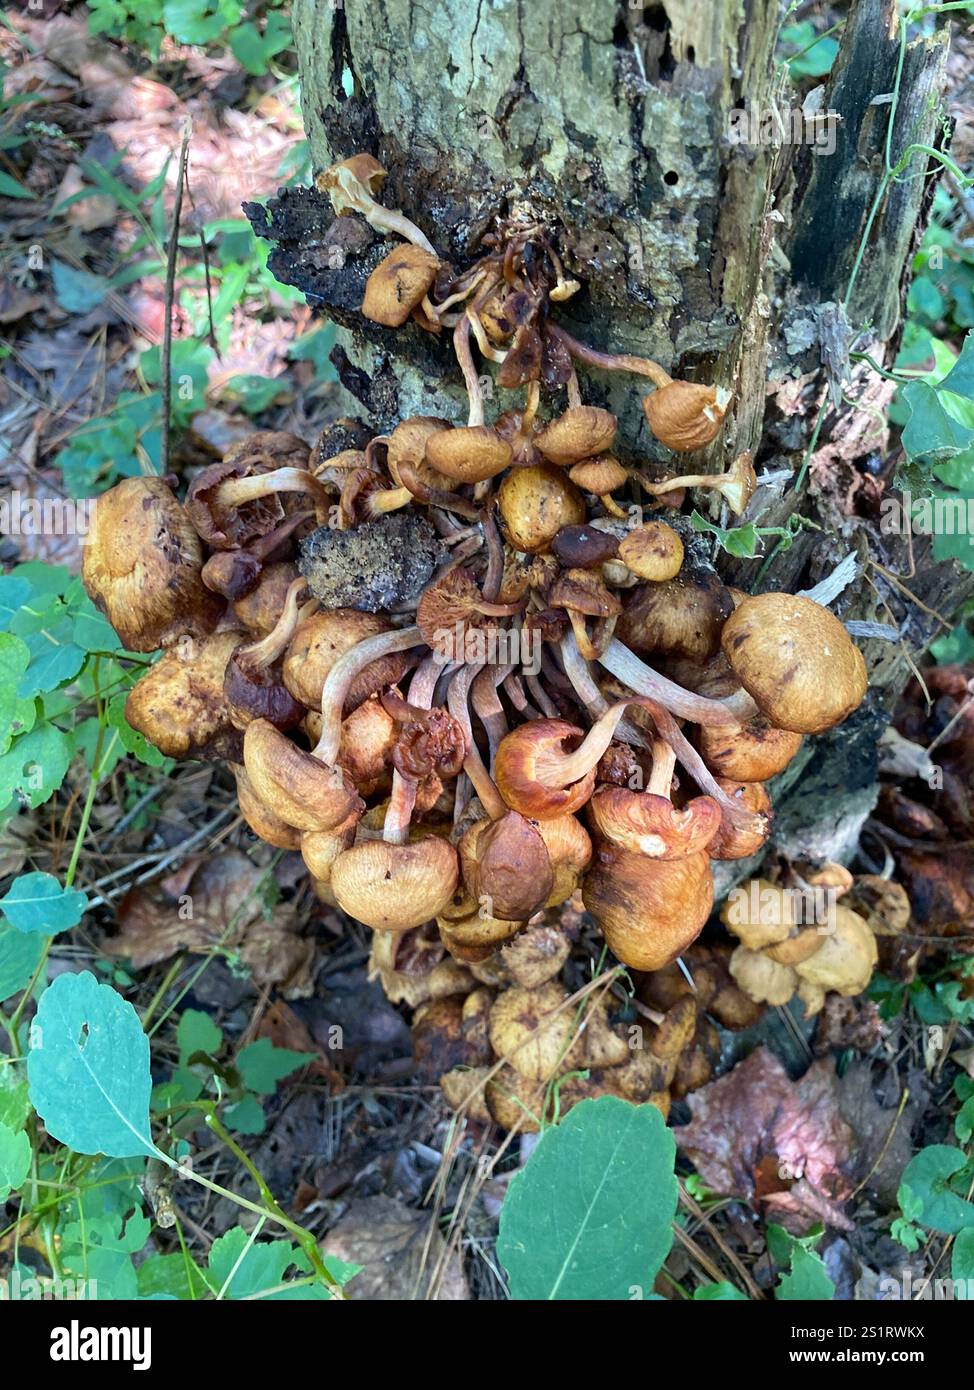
171, 254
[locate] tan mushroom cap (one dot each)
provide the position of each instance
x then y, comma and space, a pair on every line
536, 955
649, 910
412, 967
296, 786
753, 752
470, 454
740, 842
179, 704
652, 551
141, 566
812, 996
569, 852
505, 866
262, 821
580, 433
398, 284
761, 978
677, 1028
847, 958
317, 644
598, 475
684, 415
526, 1031
681, 617
395, 887
320, 848
535, 503
463, 1089
515, 1101
796, 661
795, 949
759, 913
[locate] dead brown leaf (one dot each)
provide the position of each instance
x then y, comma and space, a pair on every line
398, 1249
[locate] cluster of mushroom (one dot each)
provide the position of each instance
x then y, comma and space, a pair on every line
801, 941
424, 653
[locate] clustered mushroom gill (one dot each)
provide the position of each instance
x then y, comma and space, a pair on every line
448, 665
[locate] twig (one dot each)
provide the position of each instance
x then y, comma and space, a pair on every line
171, 255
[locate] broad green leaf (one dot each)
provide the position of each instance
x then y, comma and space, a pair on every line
14, 593
719, 1293
927, 1194
197, 1033
258, 1268
15, 1153
177, 1275
262, 1065
930, 432
14, 1099
245, 1116
78, 291
35, 764
808, 1279
101, 1251
36, 902
20, 956
89, 1069
131, 740
590, 1215
743, 541
960, 379
16, 713
962, 1265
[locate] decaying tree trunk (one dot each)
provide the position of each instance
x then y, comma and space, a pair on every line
726, 259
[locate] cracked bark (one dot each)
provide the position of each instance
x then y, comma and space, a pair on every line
714, 258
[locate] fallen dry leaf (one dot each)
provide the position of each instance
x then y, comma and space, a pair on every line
782, 1144
399, 1250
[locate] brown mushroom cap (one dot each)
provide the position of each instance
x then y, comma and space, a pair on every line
523, 758
761, 978
515, 1101
398, 284
677, 1028
752, 752
463, 1089
527, 1030
260, 818
580, 433
413, 967
320, 640
297, 787
652, 551
582, 591
847, 957
759, 913
535, 503
505, 866
584, 547
468, 930
227, 527
598, 475
406, 452
261, 607
470, 454
649, 910
141, 567
569, 852
395, 887
320, 848
682, 617
685, 416
535, 955
740, 841
795, 660
645, 823
179, 704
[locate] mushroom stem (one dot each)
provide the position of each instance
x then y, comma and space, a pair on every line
541, 697
627, 667
488, 707
531, 401
268, 649
473, 765
610, 361
395, 827
339, 680
486, 348
494, 577
573, 389
661, 775
588, 692
461, 346
380, 218
434, 496
388, 500
236, 491
736, 485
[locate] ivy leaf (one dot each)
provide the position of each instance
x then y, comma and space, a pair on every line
15, 1155
131, 740
197, 1033
261, 1266
35, 765
960, 379
253, 50
20, 956
37, 903
245, 1116
742, 541
924, 1194
962, 1263
590, 1215
808, 1279
262, 1065
89, 1069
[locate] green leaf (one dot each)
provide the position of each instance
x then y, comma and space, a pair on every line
719, 1293
924, 1182
16, 713
89, 1069
37, 903
245, 1116
78, 291
14, 1098
962, 1264
964, 1122
131, 740
262, 1065
253, 50
589, 1217
20, 956
807, 1280
197, 1033
14, 593
177, 1275
257, 1266
742, 541
11, 188
35, 765
931, 432
15, 1155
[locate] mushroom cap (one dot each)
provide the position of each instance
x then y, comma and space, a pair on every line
649, 910
524, 754
652, 551
598, 475
261, 607
141, 566
254, 691
797, 948
179, 704
677, 1028
262, 821
583, 591
227, 527
581, 432
584, 547
398, 284
514, 1101
759, 913
739, 483
463, 1089
468, 930
684, 415
752, 752
469, 454
320, 848
505, 866
395, 887
297, 787
406, 450
741, 841
847, 958
796, 660
320, 640
368, 738
645, 823
569, 849
412, 967
535, 503
339, 178
682, 617
883, 903
812, 996
761, 978
527, 1030
535, 955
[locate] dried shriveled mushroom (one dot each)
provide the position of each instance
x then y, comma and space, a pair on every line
179, 704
